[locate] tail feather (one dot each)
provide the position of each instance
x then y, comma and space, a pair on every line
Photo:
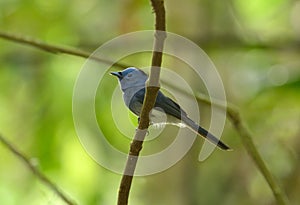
204, 133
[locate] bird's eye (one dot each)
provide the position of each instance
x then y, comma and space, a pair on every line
129, 75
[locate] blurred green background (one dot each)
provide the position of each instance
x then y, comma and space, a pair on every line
255, 46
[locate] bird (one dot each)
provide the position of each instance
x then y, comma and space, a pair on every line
133, 81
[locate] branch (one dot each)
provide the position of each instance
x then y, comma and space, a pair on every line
35, 171
149, 101
249, 145
227, 41
234, 116
55, 48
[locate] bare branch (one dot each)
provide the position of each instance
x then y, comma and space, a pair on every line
249, 145
149, 101
247, 139
55, 48
35, 171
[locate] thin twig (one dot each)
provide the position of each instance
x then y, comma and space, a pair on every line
246, 137
149, 101
55, 48
227, 41
248, 143
35, 171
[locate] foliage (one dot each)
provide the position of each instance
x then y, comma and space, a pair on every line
253, 45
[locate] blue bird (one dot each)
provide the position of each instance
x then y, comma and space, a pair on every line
132, 82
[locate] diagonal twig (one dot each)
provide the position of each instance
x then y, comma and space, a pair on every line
35, 171
55, 48
249, 145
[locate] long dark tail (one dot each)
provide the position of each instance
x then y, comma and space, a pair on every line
204, 133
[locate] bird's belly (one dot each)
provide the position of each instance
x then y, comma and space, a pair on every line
159, 117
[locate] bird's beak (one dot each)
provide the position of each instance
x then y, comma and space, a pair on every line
116, 74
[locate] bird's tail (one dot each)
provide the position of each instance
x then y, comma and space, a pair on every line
204, 133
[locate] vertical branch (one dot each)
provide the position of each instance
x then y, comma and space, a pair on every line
160, 35
149, 101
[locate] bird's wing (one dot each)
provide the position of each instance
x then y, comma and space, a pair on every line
169, 106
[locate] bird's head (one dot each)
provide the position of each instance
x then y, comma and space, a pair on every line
131, 77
